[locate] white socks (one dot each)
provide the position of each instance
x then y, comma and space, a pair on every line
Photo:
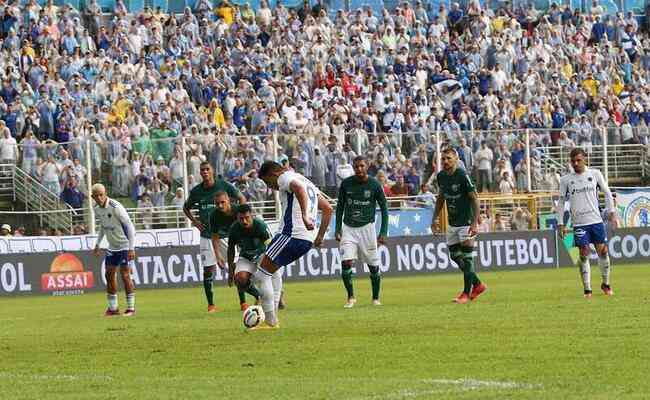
265, 287
276, 280
603, 264
112, 301
130, 301
585, 272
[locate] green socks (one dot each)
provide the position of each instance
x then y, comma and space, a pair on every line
208, 276
463, 256
346, 274
375, 281
252, 290
242, 296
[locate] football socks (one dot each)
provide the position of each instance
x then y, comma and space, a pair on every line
585, 272
208, 276
375, 281
603, 263
266, 293
112, 301
276, 281
346, 275
130, 301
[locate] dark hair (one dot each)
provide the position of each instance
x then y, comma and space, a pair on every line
576, 152
359, 159
450, 150
268, 167
221, 193
244, 208
205, 163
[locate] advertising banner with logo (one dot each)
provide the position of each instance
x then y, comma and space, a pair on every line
634, 207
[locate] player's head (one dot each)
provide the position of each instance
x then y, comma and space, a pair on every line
207, 173
98, 193
245, 215
269, 172
222, 201
578, 160
360, 165
449, 159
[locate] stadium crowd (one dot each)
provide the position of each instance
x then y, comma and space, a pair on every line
227, 78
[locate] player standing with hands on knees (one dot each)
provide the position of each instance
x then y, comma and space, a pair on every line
116, 226
202, 197
355, 227
301, 201
580, 188
458, 192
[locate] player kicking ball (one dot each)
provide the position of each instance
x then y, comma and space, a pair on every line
458, 192
301, 201
116, 226
250, 235
355, 227
202, 198
580, 188
221, 220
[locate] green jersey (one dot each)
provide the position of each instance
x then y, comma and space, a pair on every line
357, 203
220, 223
252, 242
455, 189
203, 199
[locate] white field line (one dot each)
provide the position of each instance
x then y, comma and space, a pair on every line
52, 377
472, 384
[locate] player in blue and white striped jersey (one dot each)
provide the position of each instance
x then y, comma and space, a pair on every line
580, 189
116, 226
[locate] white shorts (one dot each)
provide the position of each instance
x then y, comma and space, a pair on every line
457, 235
244, 265
208, 259
359, 244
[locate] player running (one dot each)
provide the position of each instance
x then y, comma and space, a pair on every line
355, 227
458, 192
116, 226
221, 220
202, 197
580, 188
301, 201
251, 236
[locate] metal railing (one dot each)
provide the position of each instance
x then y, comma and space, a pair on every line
6, 182
39, 201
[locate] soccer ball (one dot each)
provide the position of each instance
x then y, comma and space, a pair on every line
253, 316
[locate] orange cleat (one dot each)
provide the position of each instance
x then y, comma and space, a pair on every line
461, 298
243, 306
607, 290
477, 290
587, 294
212, 308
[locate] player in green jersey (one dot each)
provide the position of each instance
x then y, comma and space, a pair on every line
202, 198
355, 226
251, 236
221, 219
458, 192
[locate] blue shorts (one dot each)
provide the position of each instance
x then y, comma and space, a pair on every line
116, 258
283, 249
586, 234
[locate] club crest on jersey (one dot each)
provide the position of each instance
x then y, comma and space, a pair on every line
366, 194
455, 187
590, 179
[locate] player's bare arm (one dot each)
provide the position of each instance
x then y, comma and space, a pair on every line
383, 230
325, 207
215, 245
192, 218
476, 209
340, 210
231, 262
301, 195
440, 202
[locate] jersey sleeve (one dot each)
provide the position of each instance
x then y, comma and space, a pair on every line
191, 200
284, 181
232, 191
125, 221
263, 231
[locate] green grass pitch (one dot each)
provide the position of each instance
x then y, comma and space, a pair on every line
531, 336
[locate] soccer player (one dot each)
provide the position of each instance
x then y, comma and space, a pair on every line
457, 191
580, 188
301, 201
355, 226
202, 197
221, 220
116, 226
251, 235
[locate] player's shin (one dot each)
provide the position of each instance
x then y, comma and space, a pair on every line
468, 260
585, 272
375, 281
604, 265
276, 281
208, 277
346, 275
263, 278
456, 254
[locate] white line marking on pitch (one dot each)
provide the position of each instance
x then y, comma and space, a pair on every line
59, 377
475, 384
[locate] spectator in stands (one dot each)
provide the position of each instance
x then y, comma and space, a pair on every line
71, 194
484, 158
499, 223
5, 230
506, 186
520, 220
8, 146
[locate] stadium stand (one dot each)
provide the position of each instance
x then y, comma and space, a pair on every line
139, 97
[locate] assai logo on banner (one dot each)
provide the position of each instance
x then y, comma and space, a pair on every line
66, 276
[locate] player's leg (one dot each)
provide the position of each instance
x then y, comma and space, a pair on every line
209, 269
276, 281
456, 255
129, 288
348, 249
598, 236
111, 290
468, 250
243, 279
368, 254
582, 241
